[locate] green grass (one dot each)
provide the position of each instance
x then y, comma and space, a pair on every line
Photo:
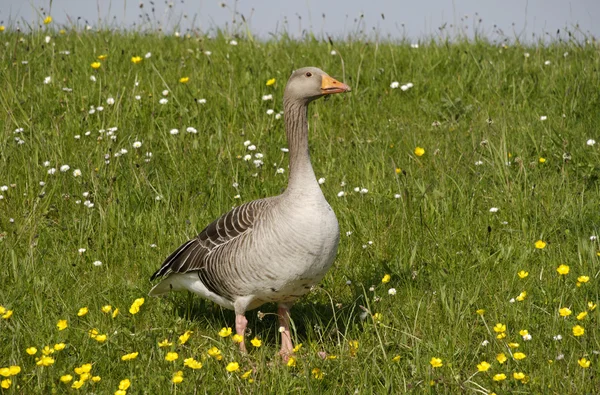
447, 254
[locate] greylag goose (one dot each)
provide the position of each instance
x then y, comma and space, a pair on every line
268, 250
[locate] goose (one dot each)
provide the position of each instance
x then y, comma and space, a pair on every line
268, 250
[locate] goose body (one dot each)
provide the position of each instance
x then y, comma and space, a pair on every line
268, 250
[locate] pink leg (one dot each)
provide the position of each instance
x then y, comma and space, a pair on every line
286, 337
240, 329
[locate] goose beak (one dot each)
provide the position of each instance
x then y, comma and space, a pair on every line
331, 85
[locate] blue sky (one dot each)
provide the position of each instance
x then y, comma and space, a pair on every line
413, 19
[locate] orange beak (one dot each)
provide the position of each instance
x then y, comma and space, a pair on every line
331, 85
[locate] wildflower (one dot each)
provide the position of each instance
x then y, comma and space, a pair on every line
106, 309
96, 65
297, 347
95, 379
436, 362
225, 332
2, 27
353, 347
256, 342
215, 353
499, 377
519, 375
233, 366
31, 350
100, 338
513, 345
115, 313
419, 151
584, 363
82, 311
564, 312
47, 20
192, 363
64, 168
591, 142
291, 362
386, 279
184, 338
501, 358
47, 350
47, 80
483, 366
557, 337
527, 337
165, 343
392, 291
522, 296
523, 274
485, 343
543, 118
395, 85
85, 368
582, 315
184, 80
377, 317
519, 356
542, 160
171, 356
136, 59
480, 311
578, 330
177, 377
61, 325
396, 358
271, 82
10, 371
237, 338
267, 97
130, 356
45, 360
499, 328
591, 306
96, 263
7, 314
135, 306
59, 346
246, 374
124, 385
540, 244
583, 279
563, 270
66, 378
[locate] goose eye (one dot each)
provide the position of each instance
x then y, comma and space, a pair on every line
308, 74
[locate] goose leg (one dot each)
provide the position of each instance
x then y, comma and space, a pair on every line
240, 329
286, 337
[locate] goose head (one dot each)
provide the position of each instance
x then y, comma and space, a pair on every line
310, 83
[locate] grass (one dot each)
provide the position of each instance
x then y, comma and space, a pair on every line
425, 221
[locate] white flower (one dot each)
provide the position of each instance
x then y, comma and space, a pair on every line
258, 163
414, 45
285, 150
270, 111
163, 101
165, 93
153, 245
543, 118
557, 337
92, 78
394, 85
267, 97
191, 130
321, 180
123, 151
526, 54
527, 337
1, 197
202, 101
280, 170
158, 197
207, 53
85, 194
512, 300
77, 137
560, 357
397, 196
247, 143
47, 39
88, 204
341, 193
404, 88
357, 189
281, 329
47, 80
137, 144
148, 55
76, 173
494, 210
110, 101
348, 233
479, 163
81, 250
485, 343
64, 168
97, 263
278, 116
363, 191
233, 42
100, 108
173, 132
333, 52
252, 147
42, 183
138, 97
547, 62
409, 84
87, 133
258, 155
392, 291
593, 238
591, 142
247, 157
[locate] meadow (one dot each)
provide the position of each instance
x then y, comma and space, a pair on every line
464, 175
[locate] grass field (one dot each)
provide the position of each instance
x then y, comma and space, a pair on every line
457, 177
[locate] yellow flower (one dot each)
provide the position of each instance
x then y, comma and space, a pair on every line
483, 366
564, 312
499, 377
523, 332
542, 160
120, 392
130, 356
83, 369
353, 347
93, 333
519, 375
124, 385
47, 20
96, 65
216, 353
85, 377
513, 345
297, 348
47, 350
10, 371
519, 356
102, 57
563, 269
246, 374
100, 338
584, 363
66, 378
317, 374
540, 244
480, 311
135, 306
232, 367
396, 358
291, 362
501, 335
184, 80
106, 309
225, 332
171, 356
386, 279
377, 317
7, 315
398, 170
583, 279
237, 338
95, 379
77, 384
31, 351
501, 358
59, 346
578, 330
177, 377
436, 362
115, 313
271, 82
419, 151
184, 338
136, 59
192, 363
522, 296
523, 274
5, 384
591, 306
2, 28
256, 342
45, 360
165, 343
2, 309
62, 324
499, 328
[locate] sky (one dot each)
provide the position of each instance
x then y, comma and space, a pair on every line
395, 19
